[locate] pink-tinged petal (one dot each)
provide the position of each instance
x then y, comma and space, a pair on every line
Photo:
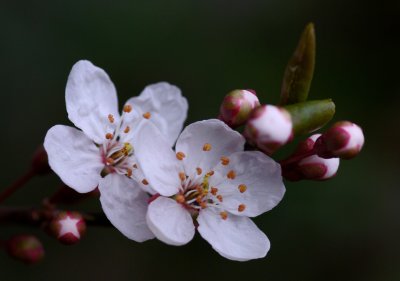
157, 160
74, 158
236, 238
91, 97
249, 179
170, 221
164, 105
125, 205
205, 142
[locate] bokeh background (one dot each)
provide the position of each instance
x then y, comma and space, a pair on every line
345, 229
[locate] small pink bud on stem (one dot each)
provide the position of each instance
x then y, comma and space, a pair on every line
237, 106
26, 248
68, 227
268, 128
305, 164
344, 140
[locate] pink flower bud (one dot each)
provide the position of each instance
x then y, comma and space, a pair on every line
269, 127
317, 168
26, 248
68, 227
344, 139
237, 106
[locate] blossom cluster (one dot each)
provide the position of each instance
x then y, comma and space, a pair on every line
158, 181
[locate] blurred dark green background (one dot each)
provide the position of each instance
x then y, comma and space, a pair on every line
344, 229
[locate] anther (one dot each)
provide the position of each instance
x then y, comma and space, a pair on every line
224, 160
241, 207
147, 115
109, 136
180, 155
203, 204
207, 147
111, 118
199, 171
134, 166
180, 198
145, 182
129, 172
182, 176
214, 191
231, 174
242, 188
127, 108
224, 215
219, 197
210, 173
127, 129
110, 161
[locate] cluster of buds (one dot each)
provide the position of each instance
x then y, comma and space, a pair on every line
318, 157
68, 227
267, 127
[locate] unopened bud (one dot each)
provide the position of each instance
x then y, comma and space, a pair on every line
269, 127
40, 163
344, 140
26, 248
68, 227
237, 106
317, 168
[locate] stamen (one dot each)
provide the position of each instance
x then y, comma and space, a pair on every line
224, 215
203, 204
242, 188
241, 207
111, 118
127, 108
145, 182
180, 198
210, 173
134, 166
214, 191
219, 197
129, 172
224, 160
109, 136
180, 155
199, 171
147, 115
200, 189
110, 161
199, 199
207, 147
231, 174
127, 129
182, 176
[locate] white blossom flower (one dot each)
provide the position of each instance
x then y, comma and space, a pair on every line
210, 184
102, 154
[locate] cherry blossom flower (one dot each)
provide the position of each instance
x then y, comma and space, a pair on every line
101, 154
210, 184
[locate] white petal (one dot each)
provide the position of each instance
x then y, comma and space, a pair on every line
125, 205
90, 97
170, 221
167, 106
157, 160
223, 141
259, 173
73, 157
236, 238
